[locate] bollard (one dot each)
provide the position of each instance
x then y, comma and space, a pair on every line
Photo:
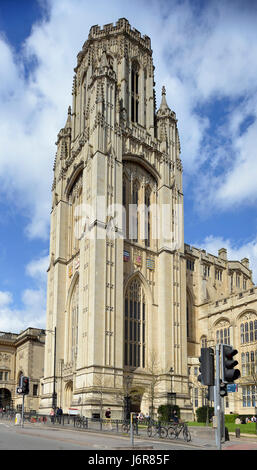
226, 434
17, 419
237, 432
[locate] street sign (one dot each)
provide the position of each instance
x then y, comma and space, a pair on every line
232, 388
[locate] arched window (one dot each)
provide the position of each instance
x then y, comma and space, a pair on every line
190, 320
134, 225
139, 200
203, 342
74, 310
248, 332
223, 336
125, 204
147, 217
135, 324
75, 216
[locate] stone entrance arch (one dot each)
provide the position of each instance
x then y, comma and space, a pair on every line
5, 398
68, 394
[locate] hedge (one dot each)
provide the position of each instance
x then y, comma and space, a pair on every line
165, 412
201, 413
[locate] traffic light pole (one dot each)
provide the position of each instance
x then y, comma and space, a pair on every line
217, 403
22, 412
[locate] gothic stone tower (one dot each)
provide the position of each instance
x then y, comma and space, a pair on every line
116, 280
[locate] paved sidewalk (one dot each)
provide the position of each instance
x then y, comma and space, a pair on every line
205, 438
202, 437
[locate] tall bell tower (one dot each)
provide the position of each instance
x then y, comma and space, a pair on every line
115, 277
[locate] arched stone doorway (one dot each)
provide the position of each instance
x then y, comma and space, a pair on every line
5, 398
68, 394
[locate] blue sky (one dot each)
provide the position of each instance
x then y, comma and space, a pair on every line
205, 53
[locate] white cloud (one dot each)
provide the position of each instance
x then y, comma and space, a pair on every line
37, 269
33, 310
198, 56
5, 299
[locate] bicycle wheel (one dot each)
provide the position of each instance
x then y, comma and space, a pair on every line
149, 431
163, 432
171, 433
186, 435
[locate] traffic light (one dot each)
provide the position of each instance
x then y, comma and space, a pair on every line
228, 373
25, 385
223, 389
210, 393
207, 366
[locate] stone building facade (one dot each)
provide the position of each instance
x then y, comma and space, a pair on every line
131, 303
222, 308
21, 354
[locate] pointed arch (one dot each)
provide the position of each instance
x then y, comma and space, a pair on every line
75, 176
68, 394
135, 322
72, 319
223, 330
134, 91
143, 280
190, 317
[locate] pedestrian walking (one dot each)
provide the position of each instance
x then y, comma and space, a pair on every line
108, 418
59, 414
52, 415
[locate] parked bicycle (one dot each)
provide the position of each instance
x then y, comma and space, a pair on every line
80, 421
175, 429
155, 429
126, 427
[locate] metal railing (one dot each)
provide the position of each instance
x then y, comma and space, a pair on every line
144, 428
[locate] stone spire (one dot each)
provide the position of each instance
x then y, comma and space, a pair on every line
164, 104
68, 122
164, 110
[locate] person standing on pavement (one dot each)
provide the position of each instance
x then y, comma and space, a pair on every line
59, 414
108, 418
52, 415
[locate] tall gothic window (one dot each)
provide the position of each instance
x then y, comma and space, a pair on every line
135, 212
223, 336
125, 207
135, 324
75, 217
134, 93
248, 332
147, 217
74, 310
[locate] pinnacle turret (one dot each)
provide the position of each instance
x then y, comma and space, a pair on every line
164, 110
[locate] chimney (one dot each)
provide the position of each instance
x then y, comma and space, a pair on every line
245, 262
223, 254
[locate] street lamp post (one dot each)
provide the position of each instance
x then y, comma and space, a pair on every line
171, 394
127, 379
